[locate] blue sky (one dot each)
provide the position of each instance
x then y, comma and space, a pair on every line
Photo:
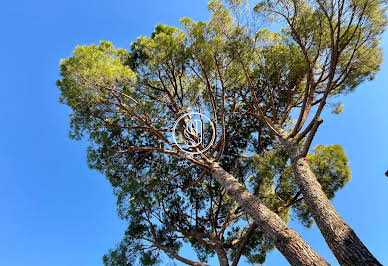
55, 211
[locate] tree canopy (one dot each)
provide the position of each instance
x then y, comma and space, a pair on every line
248, 81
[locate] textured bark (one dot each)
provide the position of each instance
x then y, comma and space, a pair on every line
286, 240
342, 240
222, 257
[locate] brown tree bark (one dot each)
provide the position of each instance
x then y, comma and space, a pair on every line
340, 237
243, 243
222, 257
286, 240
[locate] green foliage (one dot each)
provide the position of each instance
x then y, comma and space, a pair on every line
275, 181
330, 165
338, 108
88, 76
350, 41
94, 66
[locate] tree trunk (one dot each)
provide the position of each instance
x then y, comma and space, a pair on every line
222, 258
342, 240
286, 240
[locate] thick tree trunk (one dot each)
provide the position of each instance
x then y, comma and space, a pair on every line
287, 241
342, 240
222, 258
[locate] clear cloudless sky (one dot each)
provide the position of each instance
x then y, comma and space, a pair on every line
55, 211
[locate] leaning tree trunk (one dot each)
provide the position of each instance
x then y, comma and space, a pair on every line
342, 240
286, 240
